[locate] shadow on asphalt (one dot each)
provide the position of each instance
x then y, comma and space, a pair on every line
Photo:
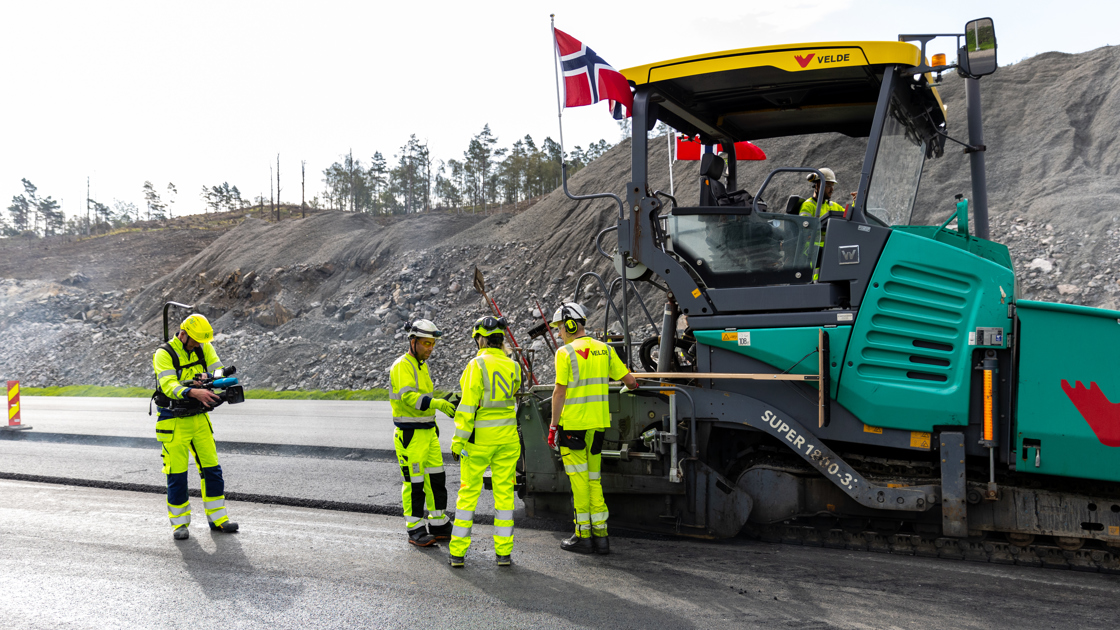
533, 592
227, 574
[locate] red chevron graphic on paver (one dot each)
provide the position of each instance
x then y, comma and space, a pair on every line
586, 352
804, 61
1102, 415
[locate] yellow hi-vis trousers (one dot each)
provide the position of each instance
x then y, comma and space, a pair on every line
582, 453
502, 460
425, 482
181, 438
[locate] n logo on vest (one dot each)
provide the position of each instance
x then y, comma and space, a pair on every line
503, 385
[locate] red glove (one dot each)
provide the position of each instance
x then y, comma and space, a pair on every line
552, 436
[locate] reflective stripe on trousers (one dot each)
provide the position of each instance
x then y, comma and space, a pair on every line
215, 509
423, 487
584, 470
192, 437
502, 461
437, 518
180, 515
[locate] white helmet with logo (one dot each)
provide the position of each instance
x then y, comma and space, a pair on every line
424, 328
829, 176
569, 312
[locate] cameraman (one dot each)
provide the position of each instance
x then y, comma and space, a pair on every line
183, 426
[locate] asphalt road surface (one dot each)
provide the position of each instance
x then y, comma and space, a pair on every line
332, 423
94, 557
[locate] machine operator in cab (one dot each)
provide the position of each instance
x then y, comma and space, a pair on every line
416, 438
828, 206
580, 415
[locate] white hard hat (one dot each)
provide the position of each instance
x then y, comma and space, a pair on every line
568, 310
424, 328
829, 176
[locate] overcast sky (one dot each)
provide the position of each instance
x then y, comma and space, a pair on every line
201, 93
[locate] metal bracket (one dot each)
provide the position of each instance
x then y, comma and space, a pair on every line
954, 487
768, 419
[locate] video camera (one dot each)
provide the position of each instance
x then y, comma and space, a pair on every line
221, 383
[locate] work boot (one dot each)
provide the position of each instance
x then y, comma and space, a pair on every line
420, 537
503, 561
456, 562
601, 544
180, 533
227, 527
440, 532
576, 544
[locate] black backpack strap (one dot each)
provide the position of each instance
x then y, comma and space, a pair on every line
158, 397
199, 359
174, 358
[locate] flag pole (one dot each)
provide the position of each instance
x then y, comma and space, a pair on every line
556, 68
672, 135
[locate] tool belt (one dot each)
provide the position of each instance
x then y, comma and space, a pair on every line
175, 408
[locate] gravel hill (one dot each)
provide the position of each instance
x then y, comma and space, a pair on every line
319, 303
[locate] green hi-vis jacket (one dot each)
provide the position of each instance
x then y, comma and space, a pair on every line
203, 359
487, 414
809, 208
586, 367
411, 394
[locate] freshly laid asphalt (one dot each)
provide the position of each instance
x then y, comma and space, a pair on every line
329, 423
97, 557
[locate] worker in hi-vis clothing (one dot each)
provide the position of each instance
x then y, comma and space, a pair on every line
183, 428
580, 414
486, 435
416, 438
829, 208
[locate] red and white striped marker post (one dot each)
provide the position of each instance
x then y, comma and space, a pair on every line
13, 408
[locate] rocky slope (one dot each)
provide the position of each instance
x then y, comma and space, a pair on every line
320, 302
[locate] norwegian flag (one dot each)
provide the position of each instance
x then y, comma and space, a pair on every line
588, 79
691, 149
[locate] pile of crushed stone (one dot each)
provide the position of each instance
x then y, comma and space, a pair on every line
321, 302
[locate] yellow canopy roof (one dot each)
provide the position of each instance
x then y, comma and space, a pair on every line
789, 57
770, 91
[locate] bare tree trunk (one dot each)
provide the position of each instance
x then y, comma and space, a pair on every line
303, 188
271, 198
277, 187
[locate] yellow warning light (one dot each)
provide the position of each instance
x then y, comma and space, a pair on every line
989, 433
938, 60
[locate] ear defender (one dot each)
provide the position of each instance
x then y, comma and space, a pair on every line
571, 326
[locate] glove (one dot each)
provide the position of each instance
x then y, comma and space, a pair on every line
445, 406
626, 388
456, 449
552, 436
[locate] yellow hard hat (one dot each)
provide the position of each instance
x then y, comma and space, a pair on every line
198, 327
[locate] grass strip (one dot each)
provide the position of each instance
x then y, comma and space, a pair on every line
258, 394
